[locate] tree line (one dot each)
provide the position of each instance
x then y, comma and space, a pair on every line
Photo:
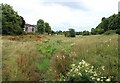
108, 25
13, 24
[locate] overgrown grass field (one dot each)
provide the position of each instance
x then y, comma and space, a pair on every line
43, 57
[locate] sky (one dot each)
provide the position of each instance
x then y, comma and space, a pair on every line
64, 14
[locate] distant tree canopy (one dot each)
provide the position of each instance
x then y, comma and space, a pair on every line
108, 24
47, 28
85, 33
78, 33
70, 33
40, 26
59, 32
12, 23
43, 27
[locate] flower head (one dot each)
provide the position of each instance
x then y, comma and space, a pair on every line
108, 79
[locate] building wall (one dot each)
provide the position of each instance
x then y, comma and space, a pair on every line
29, 28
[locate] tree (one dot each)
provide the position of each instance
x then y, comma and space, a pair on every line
103, 19
109, 25
70, 33
23, 23
47, 28
66, 33
78, 33
118, 31
40, 26
85, 33
93, 31
104, 25
100, 31
59, 32
52, 32
11, 21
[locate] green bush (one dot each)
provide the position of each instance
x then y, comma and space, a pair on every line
100, 31
110, 32
118, 31
83, 71
51, 46
43, 65
47, 49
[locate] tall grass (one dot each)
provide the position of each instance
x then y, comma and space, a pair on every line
99, 50
19, 59
39, 57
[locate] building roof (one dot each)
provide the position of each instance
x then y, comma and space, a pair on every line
29, 25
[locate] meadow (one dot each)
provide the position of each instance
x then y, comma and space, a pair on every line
49, 57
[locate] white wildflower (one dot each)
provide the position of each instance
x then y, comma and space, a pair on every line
73, 65
86, 64
78, 66
95, 74
101, 79
93, 78
98, 79
92, 67
60, 57
64, 57
79, 74
71, 70
80, 63
108, 79
83, 62
86, 71
103, 67
104, 77
73, 75
57, 56
76, 70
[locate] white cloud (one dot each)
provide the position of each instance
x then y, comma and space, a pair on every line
61, 16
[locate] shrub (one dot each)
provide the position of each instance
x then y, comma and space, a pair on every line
109, 32
43, 65
93, 31
51, 46
100, 31
118, 31
47, 49
83, 71
67, 34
